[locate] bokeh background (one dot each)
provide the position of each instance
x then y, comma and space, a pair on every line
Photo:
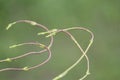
102, 17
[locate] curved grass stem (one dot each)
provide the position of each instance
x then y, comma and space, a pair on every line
79, 46
51, 33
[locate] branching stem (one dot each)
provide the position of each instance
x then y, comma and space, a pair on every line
51, 33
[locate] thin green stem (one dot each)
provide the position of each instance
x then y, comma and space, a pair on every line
27, 54
51, 33
84, 52
46, 48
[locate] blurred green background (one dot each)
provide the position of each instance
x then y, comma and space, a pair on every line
102, 17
